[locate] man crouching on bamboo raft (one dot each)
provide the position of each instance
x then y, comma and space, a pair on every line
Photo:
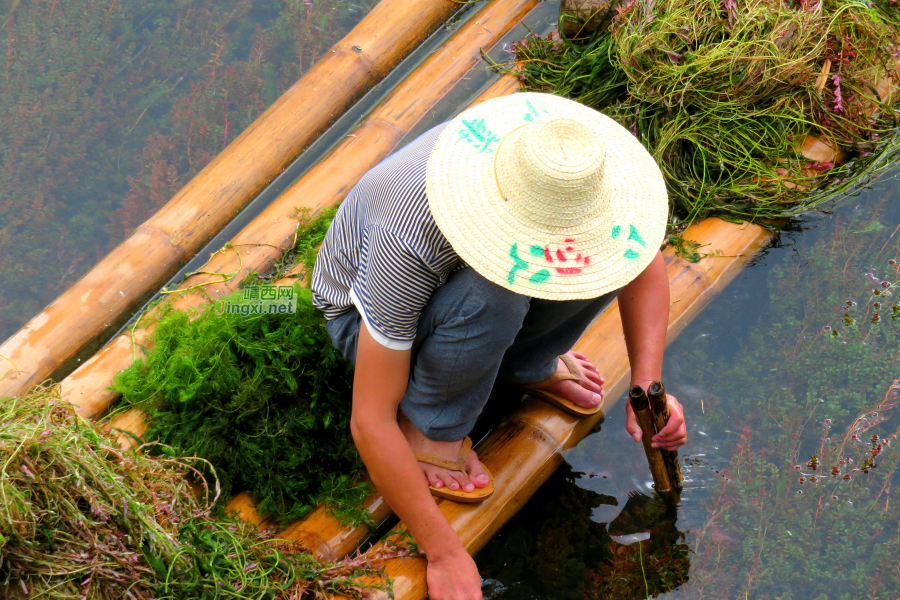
478, 253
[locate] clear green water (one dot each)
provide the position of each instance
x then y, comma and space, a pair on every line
108, 107
766, 387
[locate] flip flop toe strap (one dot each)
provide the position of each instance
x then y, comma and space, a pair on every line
573, 374
452, 465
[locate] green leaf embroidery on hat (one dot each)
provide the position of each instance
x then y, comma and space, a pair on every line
475, 132
540, 277
533, 113
616, 231
634, 236
632, 254
537, 250
518, 263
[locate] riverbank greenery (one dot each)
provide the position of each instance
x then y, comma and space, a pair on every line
81, 519
724, 95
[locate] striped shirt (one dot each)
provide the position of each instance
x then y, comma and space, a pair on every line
384, 254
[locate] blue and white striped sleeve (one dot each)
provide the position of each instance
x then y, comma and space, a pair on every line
392, 287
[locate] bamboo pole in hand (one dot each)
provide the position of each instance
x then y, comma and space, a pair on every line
640, 405
142, 263
659, 408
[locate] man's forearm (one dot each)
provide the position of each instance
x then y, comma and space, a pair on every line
379, 384
644, 308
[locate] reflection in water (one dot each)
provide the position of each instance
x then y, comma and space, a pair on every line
789, 380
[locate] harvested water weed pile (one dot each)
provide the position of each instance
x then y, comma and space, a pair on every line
265, 398
723, 94
79, 518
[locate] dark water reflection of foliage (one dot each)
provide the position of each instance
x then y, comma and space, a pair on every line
787, 383
109, 107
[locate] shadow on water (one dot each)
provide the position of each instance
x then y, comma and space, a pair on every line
789, 379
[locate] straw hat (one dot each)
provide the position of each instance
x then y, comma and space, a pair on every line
546, 197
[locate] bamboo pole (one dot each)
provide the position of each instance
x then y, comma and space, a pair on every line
659, 407
138, 266
530, 444
640, 405
264, 239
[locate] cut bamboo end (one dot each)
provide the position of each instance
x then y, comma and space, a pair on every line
659, 408
144, 261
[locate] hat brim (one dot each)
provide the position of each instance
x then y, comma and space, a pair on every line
565, 261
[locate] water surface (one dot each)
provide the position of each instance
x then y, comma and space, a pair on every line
786, 378
110, 107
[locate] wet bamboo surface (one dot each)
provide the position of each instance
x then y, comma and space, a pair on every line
142, 263
264, 239
530, 444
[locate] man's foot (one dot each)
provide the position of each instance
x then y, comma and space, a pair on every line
437, 477
588, 393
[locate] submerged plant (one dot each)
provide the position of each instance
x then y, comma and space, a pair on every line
109, 108
724, 95
81, 519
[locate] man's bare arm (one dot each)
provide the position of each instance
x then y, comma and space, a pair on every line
378, 386
644, 307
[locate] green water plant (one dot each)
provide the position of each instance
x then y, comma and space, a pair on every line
803, 508
264, 398
724, 95
81, 519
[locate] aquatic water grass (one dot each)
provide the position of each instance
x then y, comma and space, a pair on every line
81, 519
724, 95
264, 398
804, 506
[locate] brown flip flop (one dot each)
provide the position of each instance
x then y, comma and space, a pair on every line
476, 495
534, 389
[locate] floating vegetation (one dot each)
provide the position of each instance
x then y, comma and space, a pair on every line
724, 95
109, 108
81, 519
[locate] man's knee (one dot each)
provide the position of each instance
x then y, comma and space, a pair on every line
480, 301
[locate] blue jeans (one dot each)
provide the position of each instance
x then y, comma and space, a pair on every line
470, 332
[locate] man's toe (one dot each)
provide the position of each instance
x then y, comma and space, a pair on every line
477, 473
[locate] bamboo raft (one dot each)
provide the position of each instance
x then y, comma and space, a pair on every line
530, 443
104, 297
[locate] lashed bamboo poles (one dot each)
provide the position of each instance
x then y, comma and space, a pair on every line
264, 238
153, 253
530, 444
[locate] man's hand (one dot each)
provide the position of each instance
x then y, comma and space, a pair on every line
453, 576
672, 436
